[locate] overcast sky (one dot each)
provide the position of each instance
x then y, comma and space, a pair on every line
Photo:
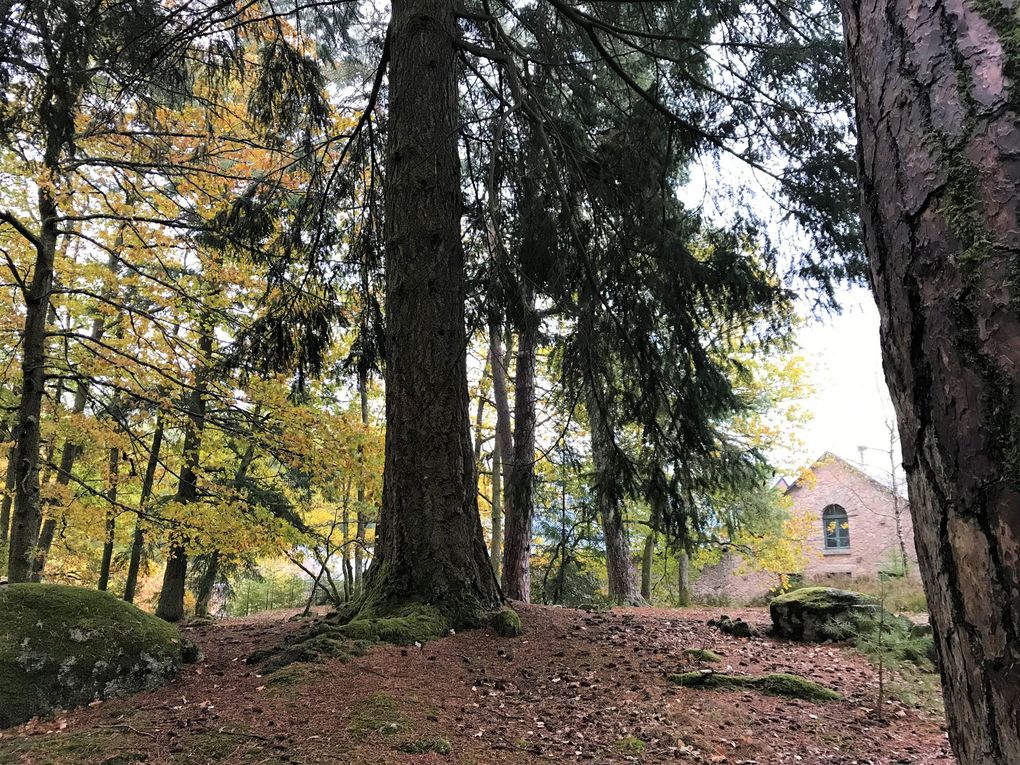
851, 404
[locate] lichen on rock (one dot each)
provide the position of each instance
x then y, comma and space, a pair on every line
62, 647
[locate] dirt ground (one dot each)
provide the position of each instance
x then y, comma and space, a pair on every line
577, 687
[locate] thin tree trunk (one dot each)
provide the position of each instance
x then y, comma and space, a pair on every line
361, 532
8, 499
502, 443
205, 586
937, 90
138, 541
171, 596
518, 491
430, 546
27, 501
683, 579
607, 500
111, 520
646, 566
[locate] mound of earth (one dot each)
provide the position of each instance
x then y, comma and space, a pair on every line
62, 647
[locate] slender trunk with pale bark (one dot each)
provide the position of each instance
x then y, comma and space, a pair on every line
430, 546
937, 91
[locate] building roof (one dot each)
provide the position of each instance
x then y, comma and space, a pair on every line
829, 458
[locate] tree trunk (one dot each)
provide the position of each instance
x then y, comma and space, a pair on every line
430, 546
607, 500
502, 444
8, 499
205, 586
171, 596
360, 534
518, 491
646, 566
937, 90
27, 502
683, 579
71, 449
111, 521
138, 541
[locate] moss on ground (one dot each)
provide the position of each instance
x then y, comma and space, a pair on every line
378, 714
507, 623
703, 655
427, 745
630, 745
287, 679
329, 639
62, 647
776, 684
92, 747
415, 624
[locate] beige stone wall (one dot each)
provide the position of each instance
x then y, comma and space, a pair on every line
732, 581
871, 514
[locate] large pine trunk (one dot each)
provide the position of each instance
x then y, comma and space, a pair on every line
519, 478
938, 106
430, 547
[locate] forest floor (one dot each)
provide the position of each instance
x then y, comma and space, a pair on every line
576, 687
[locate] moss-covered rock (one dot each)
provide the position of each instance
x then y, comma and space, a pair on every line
817, 614
775, 684
507, 623
61, 647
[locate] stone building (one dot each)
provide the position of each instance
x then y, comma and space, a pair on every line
854, 533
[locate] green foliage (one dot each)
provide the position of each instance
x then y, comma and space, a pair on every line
65, 646
776, 684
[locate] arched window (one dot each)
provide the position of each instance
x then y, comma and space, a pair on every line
835, 528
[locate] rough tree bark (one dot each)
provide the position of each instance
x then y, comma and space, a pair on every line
937, 90
430, 547
362, 527
138, 540
518, 490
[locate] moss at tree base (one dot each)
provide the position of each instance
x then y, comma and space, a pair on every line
62, 647
507, 623
775, 684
